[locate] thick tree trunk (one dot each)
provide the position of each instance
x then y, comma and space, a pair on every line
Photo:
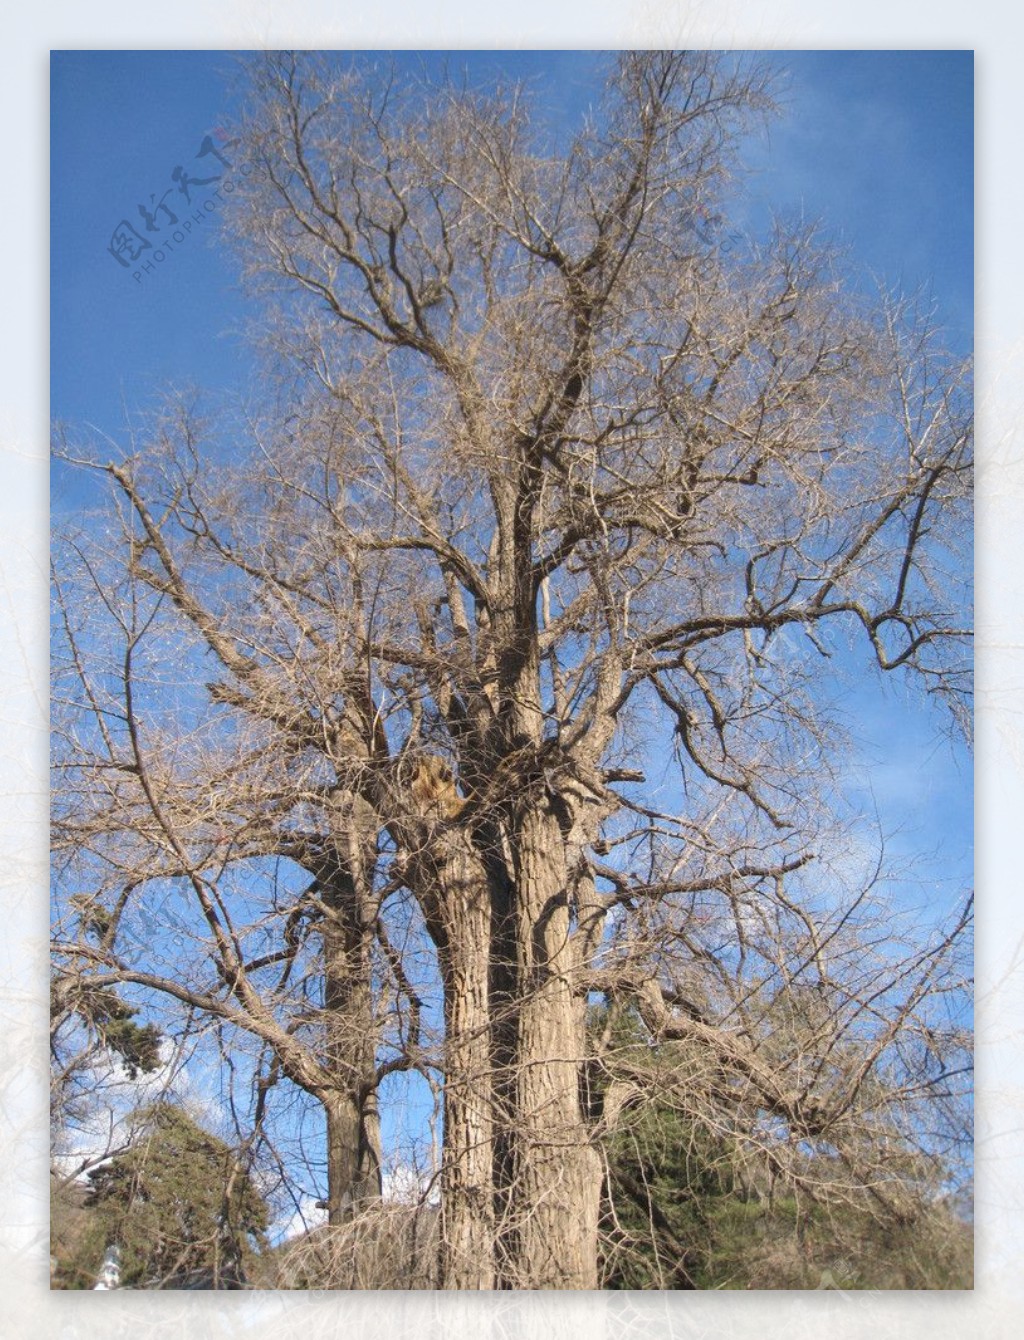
556, 1192
504, 1012
350, 1102
452, 887
467, 1213
353, 1154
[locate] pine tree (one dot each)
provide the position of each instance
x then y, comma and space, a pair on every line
182, 1210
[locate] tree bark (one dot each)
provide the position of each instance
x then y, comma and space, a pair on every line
556, 1195
353, 1123
452, 887
353, 1153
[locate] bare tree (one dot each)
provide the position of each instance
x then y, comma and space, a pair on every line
146, 808
519, 627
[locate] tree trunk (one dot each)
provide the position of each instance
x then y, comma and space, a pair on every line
556, 1192
504, 1011
353, 1124
452, 887
467, 1214
353, 1154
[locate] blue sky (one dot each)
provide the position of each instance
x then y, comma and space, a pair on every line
121, 122
878, 145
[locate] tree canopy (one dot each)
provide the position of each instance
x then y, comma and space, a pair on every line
177, 1205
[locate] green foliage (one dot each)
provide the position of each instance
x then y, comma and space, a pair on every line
663, 1169
138, 1048
791, 1243
666, 1177
175, 1202
111, 1020
693, 1204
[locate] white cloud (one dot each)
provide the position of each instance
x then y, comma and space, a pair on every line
302, 1220
404, 1185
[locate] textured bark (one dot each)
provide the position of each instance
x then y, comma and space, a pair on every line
353, 1154
467, 1215
353, 1125
452, 886
504, 1013
558, 1173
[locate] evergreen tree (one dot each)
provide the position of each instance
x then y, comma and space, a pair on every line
691, 1203
177, 1203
